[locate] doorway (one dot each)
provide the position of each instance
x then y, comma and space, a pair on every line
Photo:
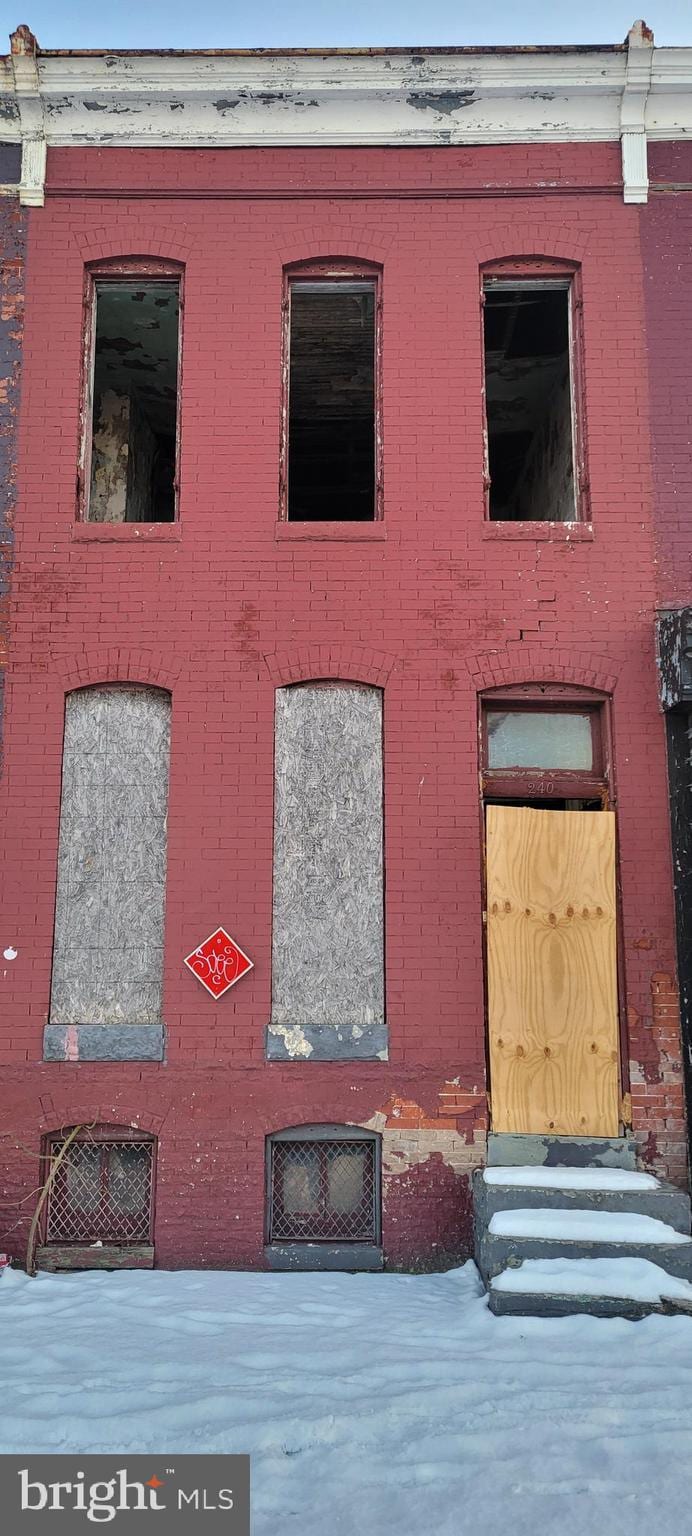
551, 916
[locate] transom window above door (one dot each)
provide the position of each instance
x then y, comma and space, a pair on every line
543, 744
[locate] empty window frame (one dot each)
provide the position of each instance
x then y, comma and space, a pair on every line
328, 909
108, 945
331, 436
130, 441
545, 744
532, 350
102, 1191
323, 1185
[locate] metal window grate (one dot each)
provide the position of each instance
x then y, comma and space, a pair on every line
101, 1192
323, 1191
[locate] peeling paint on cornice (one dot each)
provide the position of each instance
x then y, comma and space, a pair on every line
628, 92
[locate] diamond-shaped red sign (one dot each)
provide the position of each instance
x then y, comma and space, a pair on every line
218, 963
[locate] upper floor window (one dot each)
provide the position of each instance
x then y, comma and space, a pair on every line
534, 469
130, 448
330, 458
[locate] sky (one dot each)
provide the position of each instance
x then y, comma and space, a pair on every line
315, 23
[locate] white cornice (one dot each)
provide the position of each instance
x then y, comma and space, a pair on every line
341, 98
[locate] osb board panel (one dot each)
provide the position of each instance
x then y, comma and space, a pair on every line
108, 950
327, 964
552, 980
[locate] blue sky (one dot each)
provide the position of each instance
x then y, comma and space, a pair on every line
285, 23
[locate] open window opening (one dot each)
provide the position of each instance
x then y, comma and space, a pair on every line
131, 474
323, 1186
529, 390
330, 448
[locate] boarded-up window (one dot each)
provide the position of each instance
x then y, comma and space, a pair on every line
108, 950
328, 868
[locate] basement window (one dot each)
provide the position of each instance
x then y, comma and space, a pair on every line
102, 1190
532, 453
323, 1186
132, 417
330, 454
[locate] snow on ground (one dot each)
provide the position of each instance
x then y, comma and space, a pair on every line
571, 1178
637, 1279
372, 1405
584, 1226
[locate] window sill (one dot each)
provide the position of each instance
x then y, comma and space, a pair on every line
320, 1256
347, 533
104, 1042
126, 533
553, 533
61, 1256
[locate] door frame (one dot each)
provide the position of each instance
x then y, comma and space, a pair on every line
512, 785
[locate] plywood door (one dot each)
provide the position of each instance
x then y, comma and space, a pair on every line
552, 971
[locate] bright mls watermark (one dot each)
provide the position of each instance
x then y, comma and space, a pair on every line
76, 1492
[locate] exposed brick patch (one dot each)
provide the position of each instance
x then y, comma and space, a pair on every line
658, 1100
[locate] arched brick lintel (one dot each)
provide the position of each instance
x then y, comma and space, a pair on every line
115, 665
507, 242
497, 669
135, 237
348, 663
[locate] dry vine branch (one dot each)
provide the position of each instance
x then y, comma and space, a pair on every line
55, 1164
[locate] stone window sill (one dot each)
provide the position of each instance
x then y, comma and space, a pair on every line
321, 1256
104, 1042
126, 533
552, 533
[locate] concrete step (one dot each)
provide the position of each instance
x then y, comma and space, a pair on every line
659, 1200
507, 1150
669, 1249
601, 1288
514, 1304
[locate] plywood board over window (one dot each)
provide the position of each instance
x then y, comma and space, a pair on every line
108, 947
552, 971
328, 966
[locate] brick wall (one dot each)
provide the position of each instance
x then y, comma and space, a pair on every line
220, 609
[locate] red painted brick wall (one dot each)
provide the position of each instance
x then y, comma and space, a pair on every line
220, 610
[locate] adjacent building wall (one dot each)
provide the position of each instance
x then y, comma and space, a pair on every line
666, 242
12, 263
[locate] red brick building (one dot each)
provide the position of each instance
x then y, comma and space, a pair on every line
339, 518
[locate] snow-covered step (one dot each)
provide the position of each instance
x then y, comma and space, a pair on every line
598, 1189
624, 1287
529, 1232
585, 1226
